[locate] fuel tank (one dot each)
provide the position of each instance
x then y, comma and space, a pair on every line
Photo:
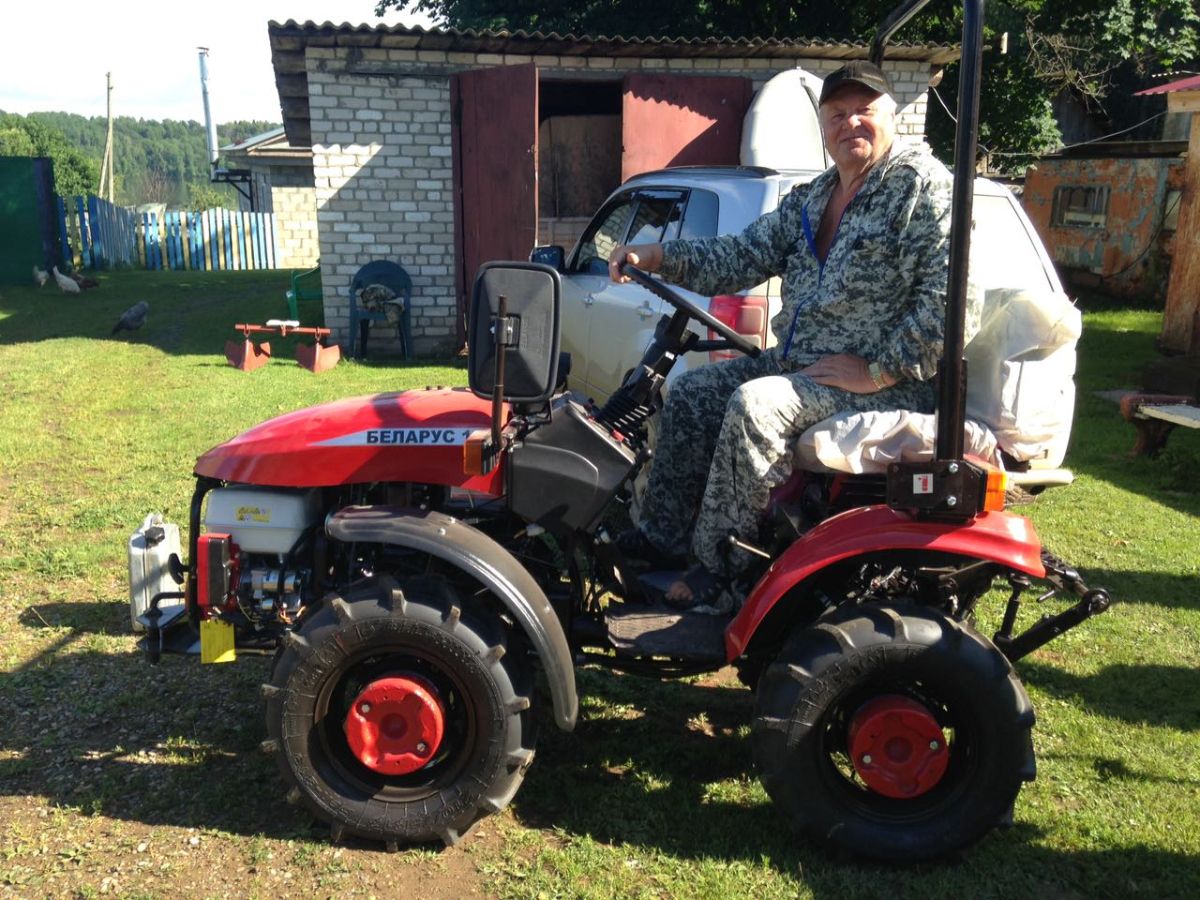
413, 436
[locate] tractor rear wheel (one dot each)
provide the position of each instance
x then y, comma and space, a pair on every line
892, 733
401, 712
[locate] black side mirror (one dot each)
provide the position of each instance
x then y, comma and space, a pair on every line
555, 257
517, 304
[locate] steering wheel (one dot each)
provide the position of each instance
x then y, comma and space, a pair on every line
686, 306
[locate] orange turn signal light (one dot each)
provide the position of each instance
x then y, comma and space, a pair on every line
475, 455
997, 484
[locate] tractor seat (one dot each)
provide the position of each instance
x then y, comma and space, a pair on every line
1020, 401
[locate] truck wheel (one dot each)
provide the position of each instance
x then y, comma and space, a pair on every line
896, 734
401, 712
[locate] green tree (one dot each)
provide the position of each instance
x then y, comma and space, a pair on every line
74, 173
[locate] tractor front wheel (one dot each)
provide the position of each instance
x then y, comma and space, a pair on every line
401, 712
892, 733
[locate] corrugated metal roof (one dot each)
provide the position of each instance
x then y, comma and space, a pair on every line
290, 39
255, 140
1183, 84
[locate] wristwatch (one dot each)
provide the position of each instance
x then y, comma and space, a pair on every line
877, 378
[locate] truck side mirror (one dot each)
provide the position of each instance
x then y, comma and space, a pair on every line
516, 304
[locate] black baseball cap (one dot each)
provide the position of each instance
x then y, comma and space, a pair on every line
858, 71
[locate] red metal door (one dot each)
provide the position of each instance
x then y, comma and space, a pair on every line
681, 120
494, 143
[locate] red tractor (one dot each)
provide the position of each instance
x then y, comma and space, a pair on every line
418, 562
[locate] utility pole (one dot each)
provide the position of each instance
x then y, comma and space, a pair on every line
106, 167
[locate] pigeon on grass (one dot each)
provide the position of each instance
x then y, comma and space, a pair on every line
133, 318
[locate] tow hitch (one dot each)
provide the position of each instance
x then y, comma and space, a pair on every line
1063, 579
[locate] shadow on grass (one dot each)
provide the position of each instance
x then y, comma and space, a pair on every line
1141, 694
670, 773
106, 733
1112, 354
1149, 588
83, 616
663, 767
190, 312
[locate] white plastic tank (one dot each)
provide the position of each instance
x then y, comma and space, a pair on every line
150, 549
261, 521
781, 130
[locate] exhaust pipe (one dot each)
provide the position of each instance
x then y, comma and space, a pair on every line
210, 126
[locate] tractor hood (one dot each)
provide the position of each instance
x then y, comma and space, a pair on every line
415, 436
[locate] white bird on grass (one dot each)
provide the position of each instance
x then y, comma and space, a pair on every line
65, 283
41, 276
133, 318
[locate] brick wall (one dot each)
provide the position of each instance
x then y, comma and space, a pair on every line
295, 206
381, 126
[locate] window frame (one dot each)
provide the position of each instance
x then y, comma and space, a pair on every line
634, 195
1092, 213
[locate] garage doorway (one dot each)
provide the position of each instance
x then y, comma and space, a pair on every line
579, 154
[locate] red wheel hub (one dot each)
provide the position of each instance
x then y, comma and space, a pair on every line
897, 747
395, 725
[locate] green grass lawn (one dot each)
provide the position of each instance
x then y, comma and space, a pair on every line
134, 781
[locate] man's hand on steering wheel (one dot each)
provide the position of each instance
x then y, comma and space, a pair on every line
647, 257
685, 307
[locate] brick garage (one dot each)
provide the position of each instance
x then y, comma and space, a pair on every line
1107, 214
383, 110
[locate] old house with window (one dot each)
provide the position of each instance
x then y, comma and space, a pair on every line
1107, 212
442, 149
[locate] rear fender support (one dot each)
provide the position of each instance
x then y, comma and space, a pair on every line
478, 555
998, 537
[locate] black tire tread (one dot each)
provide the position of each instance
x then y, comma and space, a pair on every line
432, 602
809, 654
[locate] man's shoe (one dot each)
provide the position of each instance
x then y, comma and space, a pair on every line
711, 594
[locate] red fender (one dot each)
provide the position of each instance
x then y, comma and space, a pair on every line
998, 536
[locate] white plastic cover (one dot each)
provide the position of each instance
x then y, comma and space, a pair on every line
867, 442
1020, 372
1020, 396
781, 130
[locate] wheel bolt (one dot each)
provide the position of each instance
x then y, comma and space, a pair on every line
933, 745
422, 747
866, 759
364, 708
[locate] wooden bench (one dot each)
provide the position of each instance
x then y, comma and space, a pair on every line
1154, 416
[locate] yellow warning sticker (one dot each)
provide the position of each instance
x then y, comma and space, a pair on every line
216, 642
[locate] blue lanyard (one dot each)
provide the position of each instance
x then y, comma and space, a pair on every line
812, 246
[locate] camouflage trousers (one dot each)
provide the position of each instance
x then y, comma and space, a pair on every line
725, 440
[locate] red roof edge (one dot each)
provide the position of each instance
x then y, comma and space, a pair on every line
1184, 84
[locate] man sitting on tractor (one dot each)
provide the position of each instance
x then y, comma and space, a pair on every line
863, 251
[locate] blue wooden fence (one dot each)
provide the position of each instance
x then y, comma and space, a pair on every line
100, 236
95, 233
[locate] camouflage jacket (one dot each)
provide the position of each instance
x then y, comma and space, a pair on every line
881, 292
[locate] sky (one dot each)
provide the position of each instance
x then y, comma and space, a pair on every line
54, 57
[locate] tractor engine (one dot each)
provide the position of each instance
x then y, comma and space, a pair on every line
251, 556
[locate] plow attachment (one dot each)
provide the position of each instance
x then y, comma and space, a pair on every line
248, 356
317, 357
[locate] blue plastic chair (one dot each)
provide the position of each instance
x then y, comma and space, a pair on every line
391, 275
